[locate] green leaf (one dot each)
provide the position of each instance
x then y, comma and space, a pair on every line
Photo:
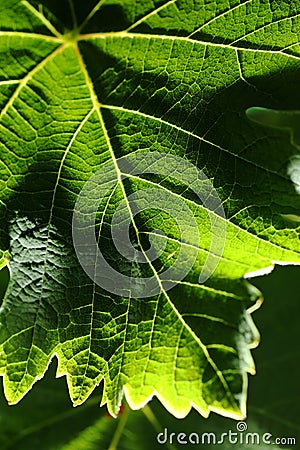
272, 406
83, 87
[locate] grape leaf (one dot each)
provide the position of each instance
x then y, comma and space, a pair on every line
273, 416
83, 86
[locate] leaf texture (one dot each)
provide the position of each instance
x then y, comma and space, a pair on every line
81, 87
